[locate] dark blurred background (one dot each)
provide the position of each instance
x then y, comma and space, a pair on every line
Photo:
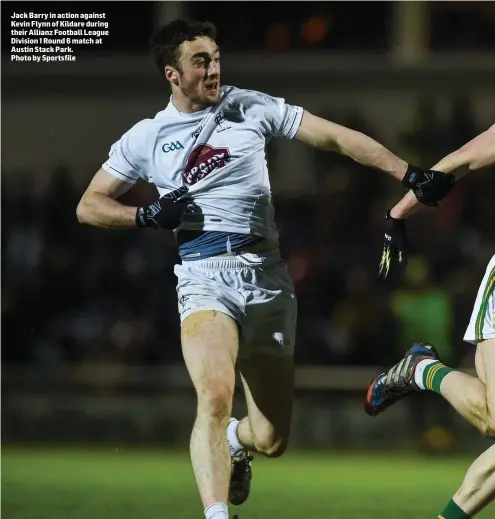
90, 330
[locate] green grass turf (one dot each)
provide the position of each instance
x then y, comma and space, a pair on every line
126, 483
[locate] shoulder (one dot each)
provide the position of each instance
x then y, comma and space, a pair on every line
138, 140
146, 128
255, 105
142, 129
248, 98
145, 132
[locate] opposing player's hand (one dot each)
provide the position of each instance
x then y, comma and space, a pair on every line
394, 253
165, 213
429, 186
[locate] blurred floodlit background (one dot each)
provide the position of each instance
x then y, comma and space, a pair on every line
89, 322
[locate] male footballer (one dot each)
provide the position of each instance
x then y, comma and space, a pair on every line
205, 153
421, 369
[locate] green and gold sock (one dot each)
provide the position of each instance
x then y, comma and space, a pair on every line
453, 511
433, 375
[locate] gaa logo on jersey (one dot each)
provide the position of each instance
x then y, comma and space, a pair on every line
172, 146
202, 161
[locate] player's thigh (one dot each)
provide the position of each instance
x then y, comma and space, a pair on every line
485, 366
480, 366
269, 324
268, 382
210, 342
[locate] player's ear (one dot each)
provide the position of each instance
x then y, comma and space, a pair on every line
171, 75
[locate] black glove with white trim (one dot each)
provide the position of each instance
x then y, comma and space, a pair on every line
165, 213
428, 185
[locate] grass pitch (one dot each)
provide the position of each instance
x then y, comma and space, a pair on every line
126, 483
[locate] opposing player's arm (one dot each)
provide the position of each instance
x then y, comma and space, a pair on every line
476, 154
326, 135
99, 206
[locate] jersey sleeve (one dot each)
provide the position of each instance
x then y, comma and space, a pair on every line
278, 119
127, 156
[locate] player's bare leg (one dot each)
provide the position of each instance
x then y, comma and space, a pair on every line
210, 344
473, 397
268, 382
477, 489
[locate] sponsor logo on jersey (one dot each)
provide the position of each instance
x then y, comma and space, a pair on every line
195, 134
202, 161
172, 146
221, 122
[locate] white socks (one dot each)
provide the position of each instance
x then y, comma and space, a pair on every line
235, 445
217, 511
418, 372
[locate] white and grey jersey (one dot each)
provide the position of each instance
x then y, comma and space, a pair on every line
219, 153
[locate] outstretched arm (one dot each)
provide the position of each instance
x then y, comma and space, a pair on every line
427, 186
476, 154
325, 135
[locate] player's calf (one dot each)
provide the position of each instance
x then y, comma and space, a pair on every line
472, 397
265, 441
477, 489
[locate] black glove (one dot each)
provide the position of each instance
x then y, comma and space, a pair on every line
165, 213
394, 246
429, 186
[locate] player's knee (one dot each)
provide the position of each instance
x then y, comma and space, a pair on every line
216, 400
488, 426
269, 443
486, 419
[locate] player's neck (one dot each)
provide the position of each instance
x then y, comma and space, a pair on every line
185, 105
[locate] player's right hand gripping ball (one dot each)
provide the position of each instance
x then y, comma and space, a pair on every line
429, 186
165, 213
394, 253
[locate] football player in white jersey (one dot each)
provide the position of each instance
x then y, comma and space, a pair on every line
205, 153
421, 369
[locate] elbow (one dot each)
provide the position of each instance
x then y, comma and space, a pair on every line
82, 212
329, 143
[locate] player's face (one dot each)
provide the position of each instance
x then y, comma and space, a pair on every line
199, 78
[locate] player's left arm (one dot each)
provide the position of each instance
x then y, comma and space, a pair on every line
329, 136
428, 186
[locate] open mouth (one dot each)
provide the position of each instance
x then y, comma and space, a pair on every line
212, 88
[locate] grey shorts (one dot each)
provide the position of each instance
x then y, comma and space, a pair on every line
254, 289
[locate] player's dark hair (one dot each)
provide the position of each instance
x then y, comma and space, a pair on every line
166, 40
